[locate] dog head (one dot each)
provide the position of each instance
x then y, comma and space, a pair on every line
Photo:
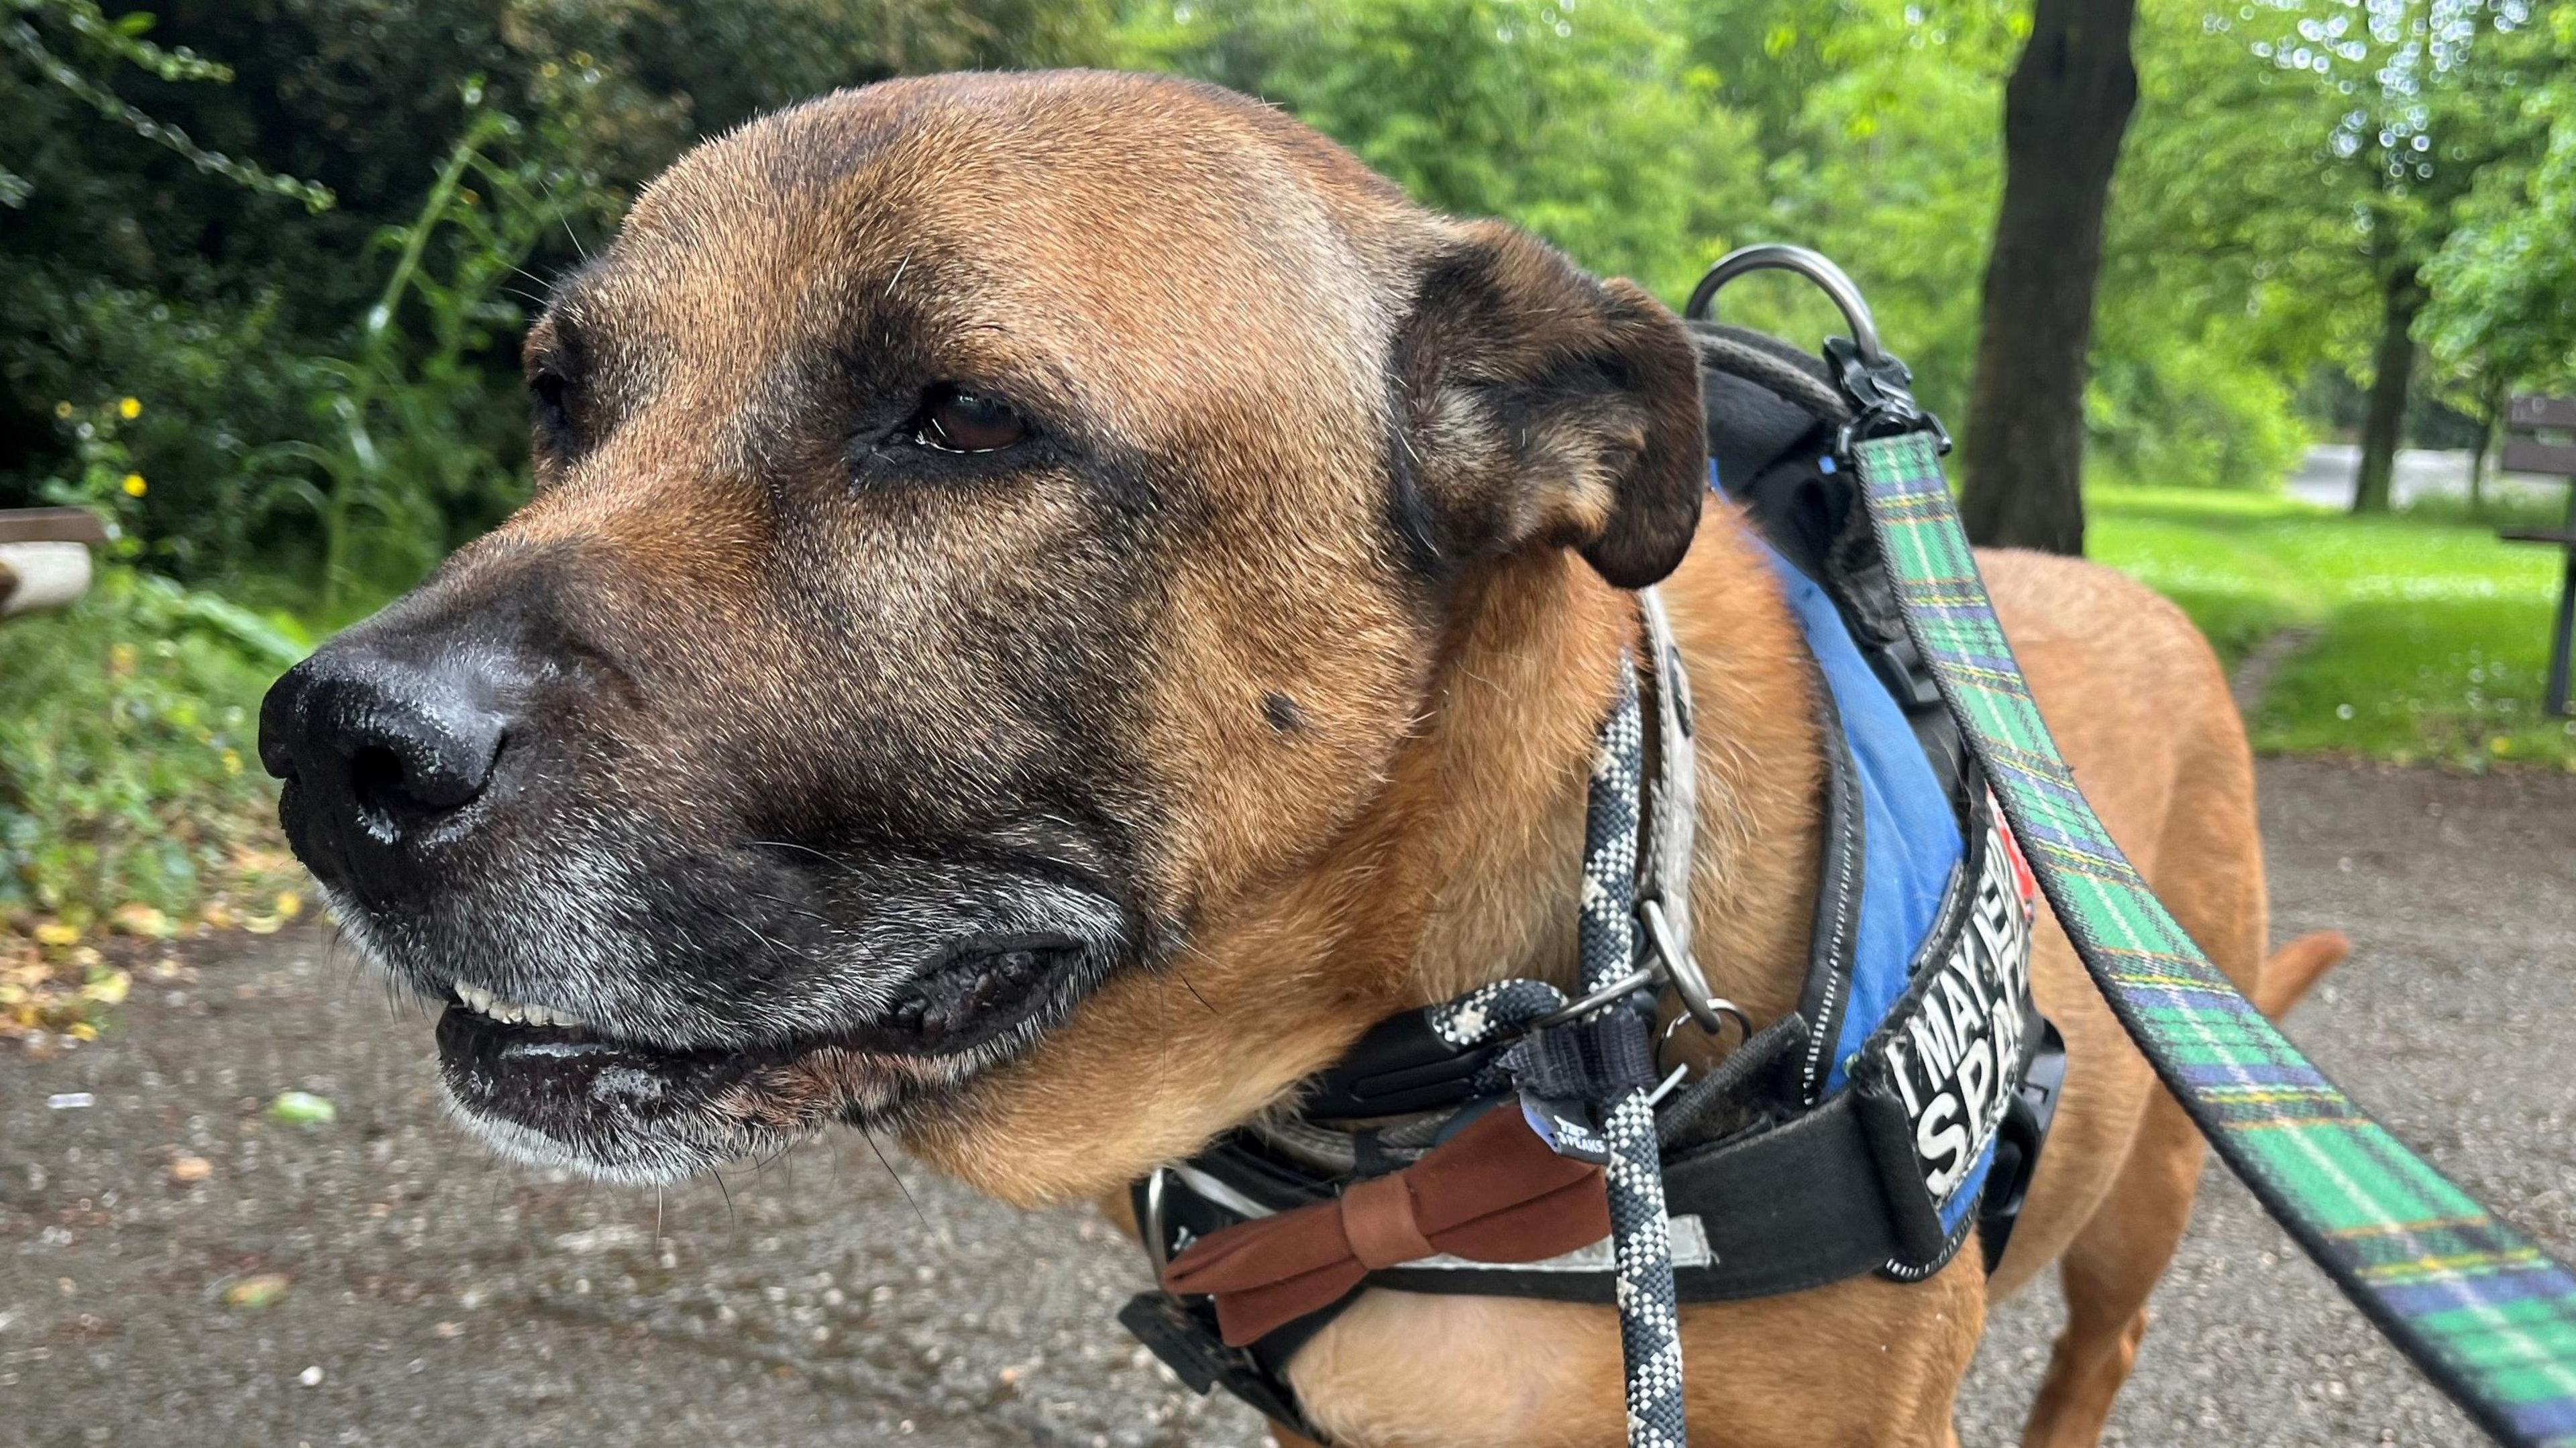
993, 536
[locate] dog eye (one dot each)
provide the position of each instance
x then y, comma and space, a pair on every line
959, 419
550, 405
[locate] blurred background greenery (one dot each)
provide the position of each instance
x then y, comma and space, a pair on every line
266, 264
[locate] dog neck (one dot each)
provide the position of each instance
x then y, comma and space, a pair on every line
1499, 781
1463, 871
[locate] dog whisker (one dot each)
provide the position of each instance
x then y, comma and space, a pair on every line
897, 1177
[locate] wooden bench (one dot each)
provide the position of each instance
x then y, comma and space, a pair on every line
2542, 441
44, 556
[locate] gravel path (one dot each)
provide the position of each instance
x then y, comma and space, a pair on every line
434, 1298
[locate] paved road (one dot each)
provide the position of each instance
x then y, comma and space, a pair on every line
2326, 476
438, 1301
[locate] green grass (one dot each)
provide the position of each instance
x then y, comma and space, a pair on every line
2433, 635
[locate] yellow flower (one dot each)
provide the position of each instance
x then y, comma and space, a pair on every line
134, 485
130, 408
63, 410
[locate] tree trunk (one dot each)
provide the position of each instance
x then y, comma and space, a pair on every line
2490, 415
2065, 110
2392, 370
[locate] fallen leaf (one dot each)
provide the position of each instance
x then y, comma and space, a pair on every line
137, 918
54, 932
256, 1291
188, 1170
303, 1108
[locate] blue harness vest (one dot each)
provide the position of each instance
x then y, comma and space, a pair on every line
1950, 1054
1898, 1109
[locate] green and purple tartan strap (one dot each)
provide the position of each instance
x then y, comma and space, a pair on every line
2488, 1316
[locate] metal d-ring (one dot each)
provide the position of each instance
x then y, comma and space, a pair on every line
1779, 256
1672, 966
1705, 1007
1156, 1252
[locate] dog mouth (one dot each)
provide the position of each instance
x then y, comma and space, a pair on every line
550, 1088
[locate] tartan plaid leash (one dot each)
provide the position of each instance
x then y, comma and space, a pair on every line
2486, 1314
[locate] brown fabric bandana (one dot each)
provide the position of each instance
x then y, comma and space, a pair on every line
1492, 1193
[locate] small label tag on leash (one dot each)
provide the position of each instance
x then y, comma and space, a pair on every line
1570, 1128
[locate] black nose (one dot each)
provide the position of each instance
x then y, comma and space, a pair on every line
378, 747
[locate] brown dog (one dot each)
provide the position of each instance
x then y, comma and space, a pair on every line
1054, 601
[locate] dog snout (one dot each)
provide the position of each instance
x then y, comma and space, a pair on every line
377, 748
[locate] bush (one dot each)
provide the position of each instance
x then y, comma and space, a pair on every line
2182, 412
128, 767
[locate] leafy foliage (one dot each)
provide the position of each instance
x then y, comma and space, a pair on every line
122, 39
2504, 283
416, 456
1587, 124
127, 771
313, 433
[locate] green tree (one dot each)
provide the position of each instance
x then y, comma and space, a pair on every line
2502, 308
2066, 109
1585, 123
2229, 268
2412, 104
1875, 121
138, 271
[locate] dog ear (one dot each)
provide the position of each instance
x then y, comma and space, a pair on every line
1539, 405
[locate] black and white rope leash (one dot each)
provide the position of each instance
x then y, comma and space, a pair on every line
1649, 1321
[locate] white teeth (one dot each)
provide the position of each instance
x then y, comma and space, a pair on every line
483, 1002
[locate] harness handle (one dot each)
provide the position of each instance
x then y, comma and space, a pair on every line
1815, 267
1880, 387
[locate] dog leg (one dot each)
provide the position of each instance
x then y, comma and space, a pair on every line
2108, 1272
2208, 867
